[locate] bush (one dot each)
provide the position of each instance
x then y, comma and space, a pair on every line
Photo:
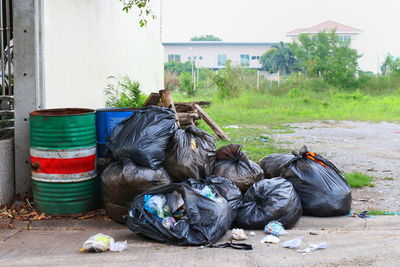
186, 83
124, 94
228, 81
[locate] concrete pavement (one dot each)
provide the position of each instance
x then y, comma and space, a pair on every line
352, 242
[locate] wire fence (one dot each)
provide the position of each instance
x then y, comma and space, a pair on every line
6, 70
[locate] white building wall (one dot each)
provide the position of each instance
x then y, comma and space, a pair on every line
87, 41
210, 54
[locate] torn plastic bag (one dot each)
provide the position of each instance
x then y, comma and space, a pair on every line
237, 167
144, 136
221, 185
273, 163
121, 182
205, 221
190, 153
269, 200
320, 185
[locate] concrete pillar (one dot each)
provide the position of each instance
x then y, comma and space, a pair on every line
28, 87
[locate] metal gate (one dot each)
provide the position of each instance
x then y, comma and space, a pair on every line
6, 70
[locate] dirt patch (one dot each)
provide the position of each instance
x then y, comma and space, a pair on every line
370, 148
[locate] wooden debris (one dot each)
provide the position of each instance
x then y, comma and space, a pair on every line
153, 99
188, 113
218, 131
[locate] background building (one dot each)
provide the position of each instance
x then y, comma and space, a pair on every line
345, 33
214, 54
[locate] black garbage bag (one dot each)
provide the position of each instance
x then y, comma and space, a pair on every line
190, 153
223, 186
237, 167
205, 221
273, 163
269, 200
144, 136
121, 182
322, 189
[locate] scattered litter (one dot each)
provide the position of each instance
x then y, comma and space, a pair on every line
270, 239
102, 243
252, 233
118, 246
232, 127
293, 243
274, 228
313, 247
313, 233
201, 247
239, 246
362, 215
238, 234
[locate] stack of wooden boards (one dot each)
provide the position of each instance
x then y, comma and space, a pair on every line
188, 113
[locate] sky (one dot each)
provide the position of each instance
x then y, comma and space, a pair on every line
269, 21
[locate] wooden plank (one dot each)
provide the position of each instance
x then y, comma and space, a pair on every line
200, 103
217, 130
153, 99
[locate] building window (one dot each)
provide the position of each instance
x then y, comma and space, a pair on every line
174, 58
189, 58
344, 38
201, 57
221, 60
245, 60
255, 57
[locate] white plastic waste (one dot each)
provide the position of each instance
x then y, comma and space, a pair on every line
238, 234
270, 239
293, 243
313, 247
252, 233
102, 243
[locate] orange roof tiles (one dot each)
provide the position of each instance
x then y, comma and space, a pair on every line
328, 25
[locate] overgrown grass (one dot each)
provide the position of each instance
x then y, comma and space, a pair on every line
255, 140
389, 178
264, 109
357, 180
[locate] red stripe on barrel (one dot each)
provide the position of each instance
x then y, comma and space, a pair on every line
63, 166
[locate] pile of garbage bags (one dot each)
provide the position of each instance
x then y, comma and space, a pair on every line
173, 186
269, 200
237, 167
322, 188
181, 215
122, 181
190, 154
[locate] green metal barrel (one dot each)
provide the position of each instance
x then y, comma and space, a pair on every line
63, 156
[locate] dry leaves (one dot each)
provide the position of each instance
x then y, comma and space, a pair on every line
22, 209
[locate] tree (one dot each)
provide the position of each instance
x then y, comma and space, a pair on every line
279, 58
207, 37
391, 65
145, 11
324, 55
178, 67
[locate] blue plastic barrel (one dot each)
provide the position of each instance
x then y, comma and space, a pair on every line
107, 119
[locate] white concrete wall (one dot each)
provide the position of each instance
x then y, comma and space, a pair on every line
87, 41
210, 54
